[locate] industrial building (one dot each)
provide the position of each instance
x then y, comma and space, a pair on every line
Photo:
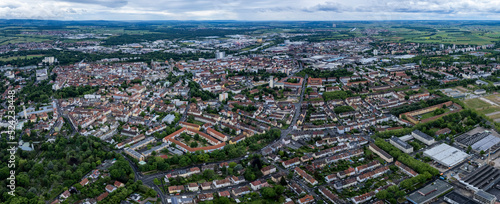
402, 145
455, 198
422, 137
480, 139
428, 193
446, 155
484, 198
482, 179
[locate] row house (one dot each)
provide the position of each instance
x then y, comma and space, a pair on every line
257, 185
348, 172
268, 170
332, 177
193, 187
329, 195
222, 183
306, 199
237, 180
217, 135
305, 176
373, 174
241, 191
345, 183
406, 169
368, 166
206, 185
175, 189
205, 197
363, 198
156, 129
291, 162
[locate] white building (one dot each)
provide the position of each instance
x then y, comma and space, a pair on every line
222, 97
220, 55
446, 155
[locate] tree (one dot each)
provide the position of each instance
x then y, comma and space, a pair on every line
482, 152
209, 174
279, 189
342, 109
268, 193
193, 144
382, 195
156, 181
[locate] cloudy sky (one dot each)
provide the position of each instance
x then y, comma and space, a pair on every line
250, 9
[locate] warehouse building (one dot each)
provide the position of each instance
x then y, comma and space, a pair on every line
446, 155
486, 143
484, 198
482, 179
430, 192
456, 198
480, 139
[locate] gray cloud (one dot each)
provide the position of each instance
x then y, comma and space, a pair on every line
250, 9
106, 3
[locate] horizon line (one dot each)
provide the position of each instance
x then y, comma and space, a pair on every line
27, 19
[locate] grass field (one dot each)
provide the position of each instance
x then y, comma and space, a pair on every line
22, 57
495, 98
484, 107
476, 103
24, 39
451, 35
431, 114
490, 109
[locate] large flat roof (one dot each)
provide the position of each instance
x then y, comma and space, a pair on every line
486, 143
446, 155
429, 192
460, 198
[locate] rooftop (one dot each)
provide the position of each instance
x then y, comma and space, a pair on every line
429, 192
446, 155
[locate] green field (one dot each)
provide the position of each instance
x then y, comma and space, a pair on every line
484, 107
457, 35
490, 109
476, 103
431, 114
22, 57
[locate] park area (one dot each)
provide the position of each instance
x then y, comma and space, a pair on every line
193, 141
488, 105
436, 112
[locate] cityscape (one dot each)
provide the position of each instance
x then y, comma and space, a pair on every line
108, 109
